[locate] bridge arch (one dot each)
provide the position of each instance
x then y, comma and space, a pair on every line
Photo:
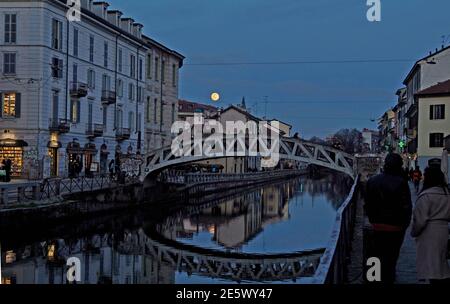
290, 149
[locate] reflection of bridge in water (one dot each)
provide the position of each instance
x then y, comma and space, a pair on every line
229, 266
172, 256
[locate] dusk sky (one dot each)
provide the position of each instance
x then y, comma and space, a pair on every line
316, 98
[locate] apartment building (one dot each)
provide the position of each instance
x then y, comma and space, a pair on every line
433, 125
77, 94
426, 72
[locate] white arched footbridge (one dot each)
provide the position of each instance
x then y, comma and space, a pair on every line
290, 149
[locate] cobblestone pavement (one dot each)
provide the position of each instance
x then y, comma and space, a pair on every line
406, 266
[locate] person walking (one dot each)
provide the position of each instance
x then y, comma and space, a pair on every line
8, 168
430, 228
417, 178
388, 206
111, 168
3, 171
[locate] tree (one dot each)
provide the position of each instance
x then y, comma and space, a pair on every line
350, 140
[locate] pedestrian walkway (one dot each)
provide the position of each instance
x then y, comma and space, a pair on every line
406, 266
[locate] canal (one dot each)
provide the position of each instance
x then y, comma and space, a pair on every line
187, 243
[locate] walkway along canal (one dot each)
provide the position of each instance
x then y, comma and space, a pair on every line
278, 232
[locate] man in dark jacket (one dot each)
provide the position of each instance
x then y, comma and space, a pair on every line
389, 208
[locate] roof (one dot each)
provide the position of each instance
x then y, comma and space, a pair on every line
192, 107
282, 122
145, 39
440, 89
417, 64
242, 111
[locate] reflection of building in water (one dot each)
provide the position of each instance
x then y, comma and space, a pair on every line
46, 264
236, 221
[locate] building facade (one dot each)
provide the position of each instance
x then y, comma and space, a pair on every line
425, 73
74, 95
433, 123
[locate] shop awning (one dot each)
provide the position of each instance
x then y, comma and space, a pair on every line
13, 143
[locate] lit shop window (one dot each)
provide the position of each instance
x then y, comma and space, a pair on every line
9, 108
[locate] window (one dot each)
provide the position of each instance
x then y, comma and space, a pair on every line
437, 112
140, 94
75, 111
141, 63
163, 71
156, 68
161, 108
139, 122
57, 68
120, 60
131, 121
119, 118
149, 66
9, 63
55, 108
75, 42
105, 117
105, 55
91, 79
436, 140
75, 73
120, 88
131, 91
173, 113
57, 34
10, 28
174, 75
132, 66
10, 104
155, 106
149, 110
106, 83
91, 48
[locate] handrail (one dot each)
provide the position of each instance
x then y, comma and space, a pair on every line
331, 269
196, 178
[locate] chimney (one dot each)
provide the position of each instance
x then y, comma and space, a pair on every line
114, 17
126, 24
100, 8
137, 29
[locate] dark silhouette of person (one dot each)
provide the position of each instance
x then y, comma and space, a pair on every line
417, 178
111, 167
8, 168
389, 209
3, 168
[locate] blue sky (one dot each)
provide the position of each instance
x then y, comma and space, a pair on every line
317, 99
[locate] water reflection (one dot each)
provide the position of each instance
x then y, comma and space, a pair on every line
282, 218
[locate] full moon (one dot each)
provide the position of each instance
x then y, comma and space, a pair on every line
215, 97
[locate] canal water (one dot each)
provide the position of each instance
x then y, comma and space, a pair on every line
277, 220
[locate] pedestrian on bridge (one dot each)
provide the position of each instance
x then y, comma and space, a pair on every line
388, 207
430, 228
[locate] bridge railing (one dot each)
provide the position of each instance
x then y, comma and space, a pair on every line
333, 266
199, 178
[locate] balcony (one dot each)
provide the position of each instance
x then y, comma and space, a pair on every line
108, 97
78, 89
94, 130
123, 133
59, 125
